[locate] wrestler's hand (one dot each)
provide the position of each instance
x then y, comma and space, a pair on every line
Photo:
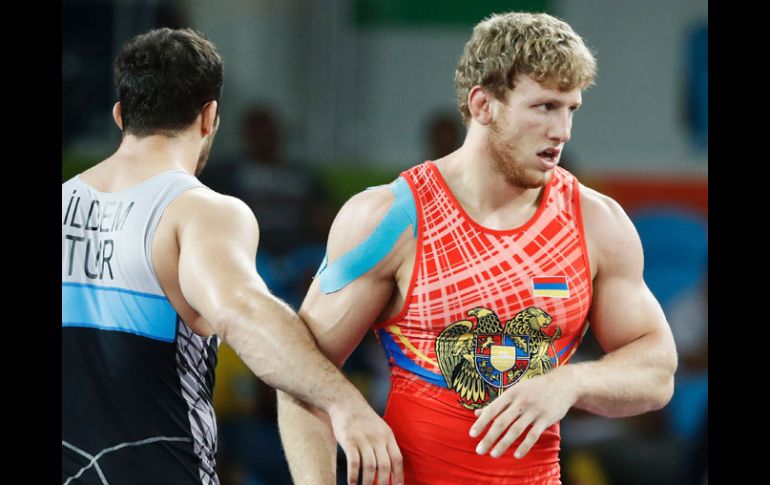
538, 402
368, 443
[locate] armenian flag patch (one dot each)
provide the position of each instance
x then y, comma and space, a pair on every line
553, 286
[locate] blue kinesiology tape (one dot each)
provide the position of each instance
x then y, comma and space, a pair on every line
337, 275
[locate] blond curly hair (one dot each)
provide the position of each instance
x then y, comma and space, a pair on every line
506, 45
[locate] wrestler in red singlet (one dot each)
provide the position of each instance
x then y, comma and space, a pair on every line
485, 310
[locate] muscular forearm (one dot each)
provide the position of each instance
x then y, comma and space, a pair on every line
308, 442
277, 346
634, 379
274, 342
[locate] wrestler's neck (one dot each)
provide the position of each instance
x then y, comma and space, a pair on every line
138, 159
160, 153
481, 189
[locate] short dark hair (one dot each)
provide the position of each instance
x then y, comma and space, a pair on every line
164, 78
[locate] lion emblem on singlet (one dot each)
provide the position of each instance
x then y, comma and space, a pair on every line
479, 363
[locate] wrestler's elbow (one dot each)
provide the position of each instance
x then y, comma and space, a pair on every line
229, 309
663, 390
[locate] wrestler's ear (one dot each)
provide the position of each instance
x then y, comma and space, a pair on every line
481, 105
116, 115
209, 118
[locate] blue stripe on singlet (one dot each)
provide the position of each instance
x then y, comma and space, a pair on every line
118, 309
394, 352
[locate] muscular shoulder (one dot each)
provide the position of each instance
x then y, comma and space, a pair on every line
358, 219
599, 209
374, 230
612, 238
204, 208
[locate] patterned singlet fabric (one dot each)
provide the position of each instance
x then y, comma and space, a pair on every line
485, 309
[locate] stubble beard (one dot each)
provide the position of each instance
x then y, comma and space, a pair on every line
502, 151
204, 155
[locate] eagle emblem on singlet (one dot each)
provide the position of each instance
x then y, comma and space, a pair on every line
479, 363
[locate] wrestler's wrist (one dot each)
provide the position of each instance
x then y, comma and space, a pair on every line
345, 403
573, 379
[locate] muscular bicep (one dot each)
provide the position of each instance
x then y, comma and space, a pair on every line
367, 245
623, 309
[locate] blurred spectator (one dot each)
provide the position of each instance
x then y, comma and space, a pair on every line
444, 134
88, 46
279, 191
289, 201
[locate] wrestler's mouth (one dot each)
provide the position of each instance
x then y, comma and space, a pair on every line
549, 157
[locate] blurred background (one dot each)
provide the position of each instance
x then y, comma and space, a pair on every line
323, 98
